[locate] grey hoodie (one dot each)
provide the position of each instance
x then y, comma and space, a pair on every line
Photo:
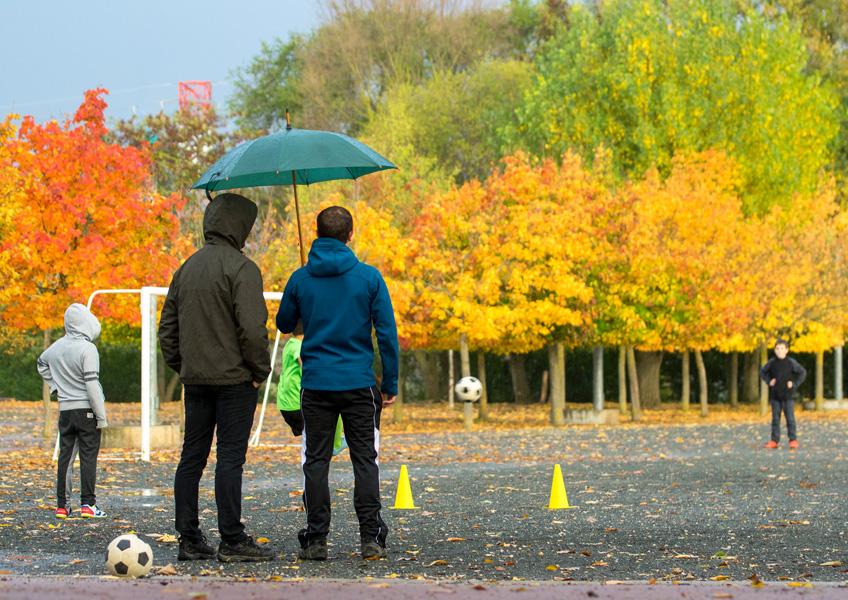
71, 366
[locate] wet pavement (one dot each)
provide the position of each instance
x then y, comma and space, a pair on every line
665, 505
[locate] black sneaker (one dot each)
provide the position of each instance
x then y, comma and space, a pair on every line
195, 550
317, 550
245, 551
373, 551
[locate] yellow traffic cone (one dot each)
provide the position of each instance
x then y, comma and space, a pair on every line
403, 497
559, 499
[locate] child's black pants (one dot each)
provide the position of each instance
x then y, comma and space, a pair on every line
787, 407
78, 426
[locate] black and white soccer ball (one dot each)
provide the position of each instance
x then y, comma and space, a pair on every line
469, 389
129, 556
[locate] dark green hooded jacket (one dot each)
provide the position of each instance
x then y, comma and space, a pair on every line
213, 325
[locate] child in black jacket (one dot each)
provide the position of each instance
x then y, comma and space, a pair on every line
783, 376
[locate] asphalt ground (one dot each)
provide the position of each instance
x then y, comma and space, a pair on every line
659, 504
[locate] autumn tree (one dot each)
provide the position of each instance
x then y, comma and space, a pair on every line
687, 252
542, 253
85, 218
650, 79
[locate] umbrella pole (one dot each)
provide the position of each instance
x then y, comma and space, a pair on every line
297, 215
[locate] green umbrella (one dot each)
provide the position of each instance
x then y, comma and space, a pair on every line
291, 157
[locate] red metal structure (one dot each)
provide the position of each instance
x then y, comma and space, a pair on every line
195, 94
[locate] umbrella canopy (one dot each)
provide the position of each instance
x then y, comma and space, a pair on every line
299, 156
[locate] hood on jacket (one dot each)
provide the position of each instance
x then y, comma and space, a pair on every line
329, 257
80, 322
229, 219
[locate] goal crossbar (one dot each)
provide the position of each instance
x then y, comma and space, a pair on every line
149, 384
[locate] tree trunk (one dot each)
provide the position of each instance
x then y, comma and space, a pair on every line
397, 408
173, 382
161, 379
47, 430
518, 374
622, 380
598, 378
464, 358
648, 366
633, 376
764, 391
702, 383
428, 365
556, 366
685, 392
837, 374
819, 380
546, 383
481, 375
751, 377
734, 379
451, 380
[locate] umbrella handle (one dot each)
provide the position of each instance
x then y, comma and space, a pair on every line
209, 191
297, 216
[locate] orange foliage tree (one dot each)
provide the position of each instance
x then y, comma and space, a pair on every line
84, 217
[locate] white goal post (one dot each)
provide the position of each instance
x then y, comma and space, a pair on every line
149, 357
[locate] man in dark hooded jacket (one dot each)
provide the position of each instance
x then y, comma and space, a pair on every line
339, 300
213, 333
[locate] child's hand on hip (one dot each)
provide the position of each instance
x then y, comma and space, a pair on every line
773, 382
789, 385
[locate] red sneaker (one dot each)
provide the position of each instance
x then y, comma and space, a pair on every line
772, 445
62, 513
91, 512
793, 444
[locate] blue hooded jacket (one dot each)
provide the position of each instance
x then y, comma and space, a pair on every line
338, 299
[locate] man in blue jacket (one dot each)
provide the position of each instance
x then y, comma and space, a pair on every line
339, 300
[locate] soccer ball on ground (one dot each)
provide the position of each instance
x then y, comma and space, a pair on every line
129, 556
469, 389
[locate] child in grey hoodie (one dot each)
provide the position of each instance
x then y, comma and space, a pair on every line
71, 367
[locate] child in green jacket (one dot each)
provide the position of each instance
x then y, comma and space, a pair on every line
288, 393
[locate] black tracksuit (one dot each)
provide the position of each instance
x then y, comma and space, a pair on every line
360, 411
781, 396
212, 332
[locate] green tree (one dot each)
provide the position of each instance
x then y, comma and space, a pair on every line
825, 27
453, 117
268, 85
336, 76
650, 78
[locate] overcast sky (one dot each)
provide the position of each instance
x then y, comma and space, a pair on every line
53, 50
